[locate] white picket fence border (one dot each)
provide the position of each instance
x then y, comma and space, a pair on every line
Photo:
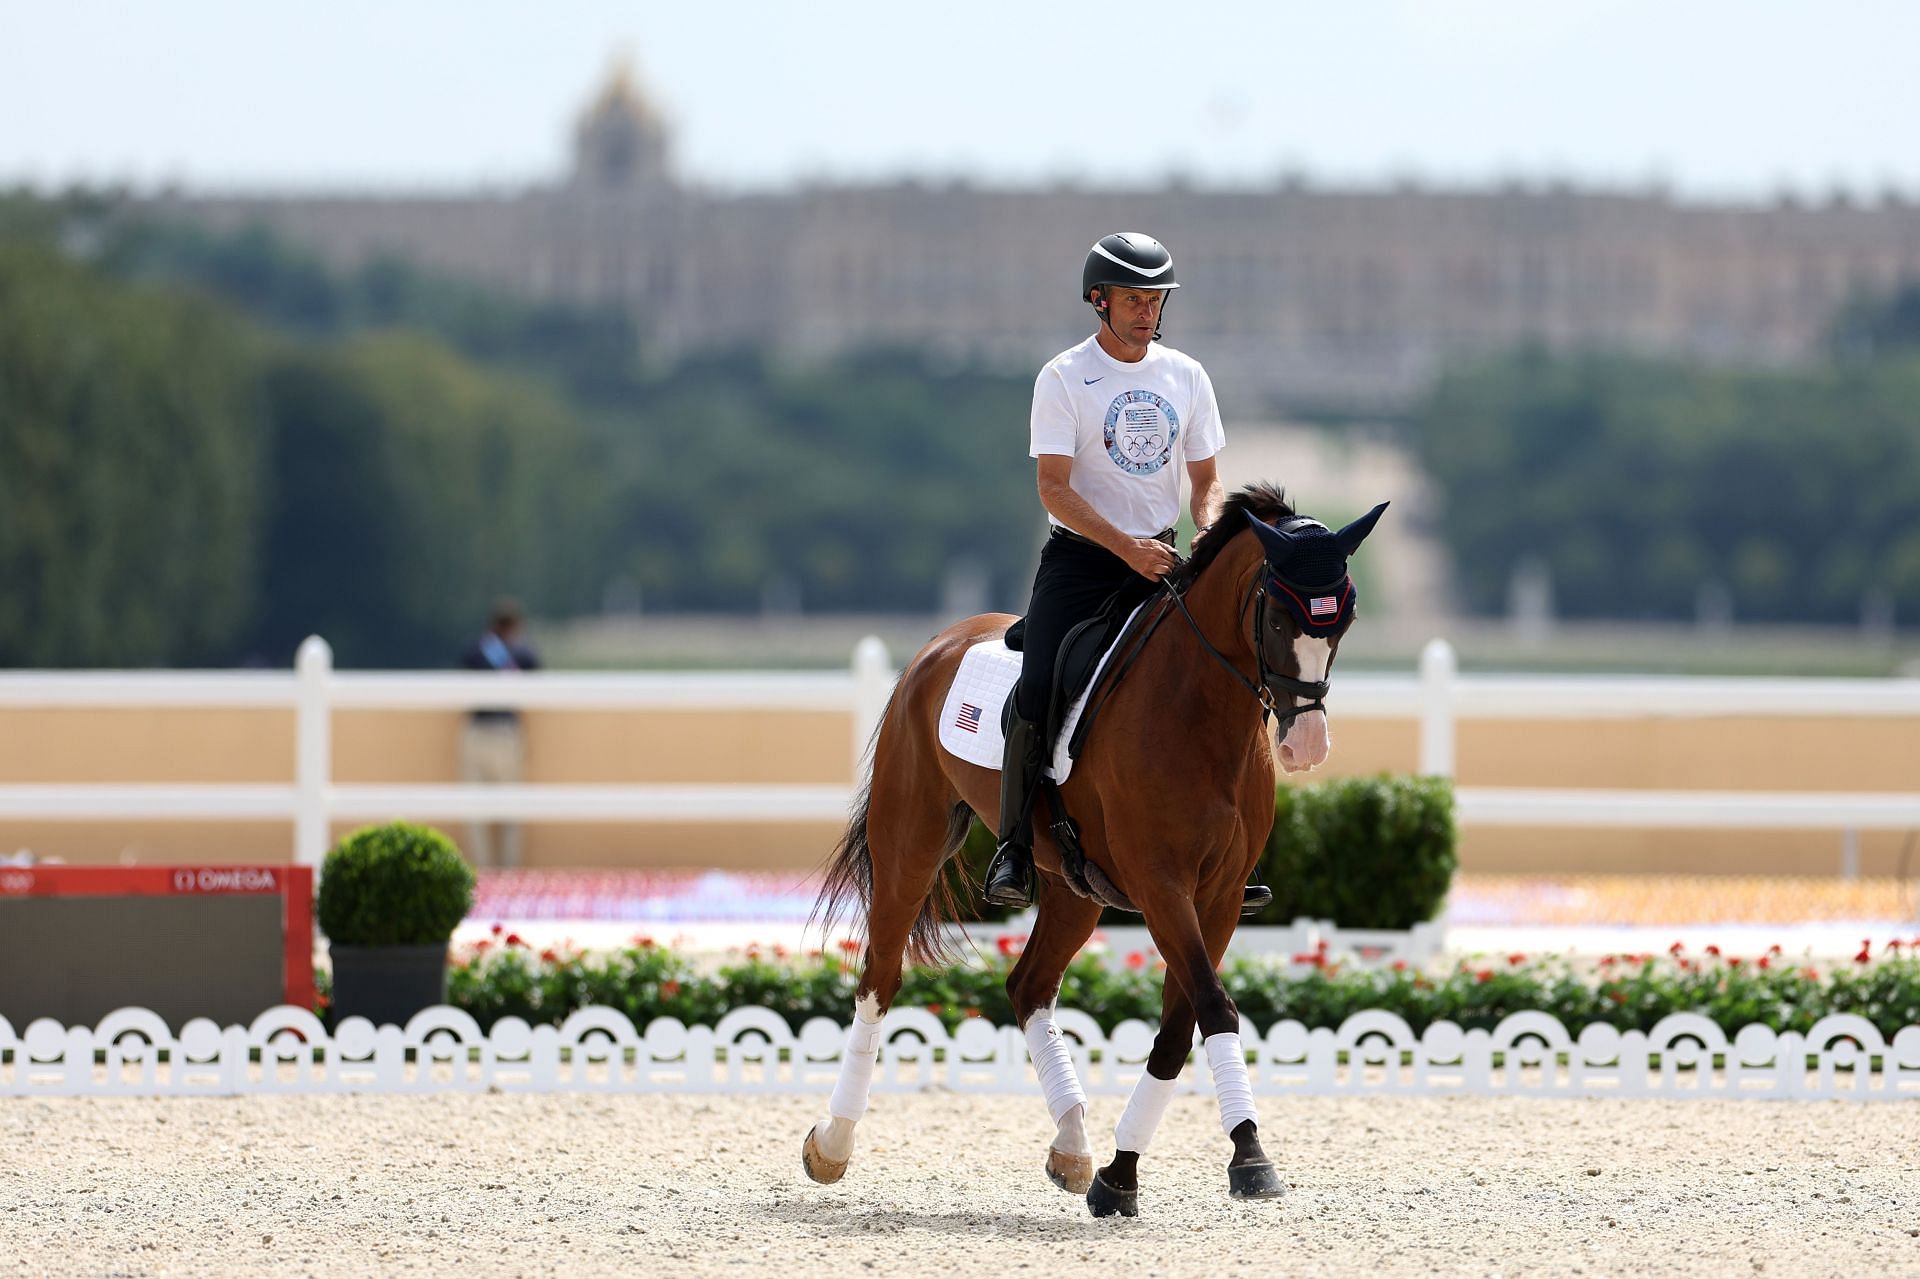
132, 1053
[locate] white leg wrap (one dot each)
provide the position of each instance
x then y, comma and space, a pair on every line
1070, 1133
1051, 1059
1141, 1119
849, 1099
1228, 1061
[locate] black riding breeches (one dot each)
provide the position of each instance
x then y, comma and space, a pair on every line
1074, 580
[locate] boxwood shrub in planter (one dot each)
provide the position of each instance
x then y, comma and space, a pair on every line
390, 898
1363, 852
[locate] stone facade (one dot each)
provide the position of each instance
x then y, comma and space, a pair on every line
1297, 297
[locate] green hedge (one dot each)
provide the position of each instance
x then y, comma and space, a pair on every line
1364, 852
394, 885
1631, 992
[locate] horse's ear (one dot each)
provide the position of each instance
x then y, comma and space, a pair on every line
1278, 545
1355, 533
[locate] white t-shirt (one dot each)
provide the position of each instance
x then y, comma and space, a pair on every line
1129, 428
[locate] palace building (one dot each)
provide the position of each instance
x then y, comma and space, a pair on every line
1298, 298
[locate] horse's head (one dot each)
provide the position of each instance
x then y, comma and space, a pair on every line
1305, 604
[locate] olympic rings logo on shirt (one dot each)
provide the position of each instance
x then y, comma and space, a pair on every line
1133, 434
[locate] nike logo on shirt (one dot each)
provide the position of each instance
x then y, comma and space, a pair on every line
1091, 380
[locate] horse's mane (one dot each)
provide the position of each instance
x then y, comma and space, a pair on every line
1262, 501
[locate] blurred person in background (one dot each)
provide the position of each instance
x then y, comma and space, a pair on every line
492, 750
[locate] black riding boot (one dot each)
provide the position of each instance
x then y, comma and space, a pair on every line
1010, 874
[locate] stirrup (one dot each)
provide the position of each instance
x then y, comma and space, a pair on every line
1008, 883
1256, 898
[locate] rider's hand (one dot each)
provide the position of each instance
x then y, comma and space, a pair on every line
1150, 559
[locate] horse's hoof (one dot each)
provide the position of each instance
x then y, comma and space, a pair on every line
1255, 1181
1104, 1201
822, 1169
1072, 1173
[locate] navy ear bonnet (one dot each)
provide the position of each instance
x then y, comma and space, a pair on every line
1307, 574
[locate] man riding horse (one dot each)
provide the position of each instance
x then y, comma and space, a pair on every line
1111, 418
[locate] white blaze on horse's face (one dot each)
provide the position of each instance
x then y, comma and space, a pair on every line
1307, 741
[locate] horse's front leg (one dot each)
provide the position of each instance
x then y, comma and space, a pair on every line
1060, 929
1193, 958
1116, 1187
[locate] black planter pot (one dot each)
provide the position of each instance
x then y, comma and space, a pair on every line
387, 984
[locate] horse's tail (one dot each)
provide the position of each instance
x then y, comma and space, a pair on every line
849, 880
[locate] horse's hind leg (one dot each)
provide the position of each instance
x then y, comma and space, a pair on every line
909, 844
1062, 927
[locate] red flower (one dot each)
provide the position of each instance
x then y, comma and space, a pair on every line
1516, 959
1765, 961
1607, 961
779, 951
550, 955
1136, 960
1006, 945
668, 989
1811, 974
1484, 975
1676, 948
1894, 945
1399, 965
973, 1012
1617, 996
1865, 956
1734, 962
498, 928
515, 939
1714, 951
482, 946
850, 945
643, 941
936, 1009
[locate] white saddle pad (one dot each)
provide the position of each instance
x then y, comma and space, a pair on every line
970, 721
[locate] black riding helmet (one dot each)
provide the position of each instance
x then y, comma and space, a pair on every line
1130, 259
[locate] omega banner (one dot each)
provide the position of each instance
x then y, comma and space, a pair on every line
226, 942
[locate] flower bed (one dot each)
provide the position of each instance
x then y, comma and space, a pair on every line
504, 977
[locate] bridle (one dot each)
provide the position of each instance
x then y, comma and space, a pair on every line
1312, 694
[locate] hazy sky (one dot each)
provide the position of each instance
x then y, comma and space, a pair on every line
1715, 97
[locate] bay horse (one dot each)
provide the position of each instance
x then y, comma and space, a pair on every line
1174, 796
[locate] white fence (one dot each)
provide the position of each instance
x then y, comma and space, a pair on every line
1438, 697
1528, 1054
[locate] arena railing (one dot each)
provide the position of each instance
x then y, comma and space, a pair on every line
1438, 698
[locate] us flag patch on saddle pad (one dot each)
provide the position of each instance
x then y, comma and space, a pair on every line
968, 720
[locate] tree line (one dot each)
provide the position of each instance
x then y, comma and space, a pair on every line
212, 446
1647, 486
